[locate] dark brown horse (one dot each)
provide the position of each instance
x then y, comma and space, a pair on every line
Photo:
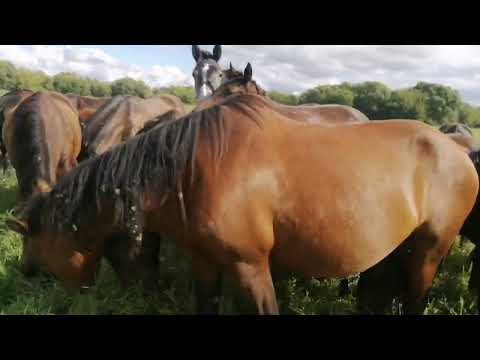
86, 106
326, 115
238, 185
43, 140
123, 118
8, 103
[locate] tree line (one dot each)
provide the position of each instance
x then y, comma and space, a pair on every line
433, 103
17, 78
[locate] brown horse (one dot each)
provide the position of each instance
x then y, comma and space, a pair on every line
8, 103
122, 119
43, 140
86, 106
238, 185
236, 83
379, 285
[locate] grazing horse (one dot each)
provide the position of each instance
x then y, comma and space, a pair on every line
8, 103
86, 106
43, 139
238, 185
326, 115
123, 118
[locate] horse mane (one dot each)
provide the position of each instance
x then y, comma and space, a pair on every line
157, 160
239, 80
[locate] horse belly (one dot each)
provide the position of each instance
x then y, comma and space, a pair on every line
337, 242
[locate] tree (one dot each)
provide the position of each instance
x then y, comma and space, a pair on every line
282, 98
8, 76
406, 104
443, 103
371, 98
185, 93
69, 83
100, 89
469, 115
328, 94
33, 80
129, 86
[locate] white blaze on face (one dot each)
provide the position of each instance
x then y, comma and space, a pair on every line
205, 90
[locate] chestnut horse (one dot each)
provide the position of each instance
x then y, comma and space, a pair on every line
43, 139
86, 106
123, 118
238, 185
8, 103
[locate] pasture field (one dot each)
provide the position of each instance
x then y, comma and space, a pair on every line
43, 296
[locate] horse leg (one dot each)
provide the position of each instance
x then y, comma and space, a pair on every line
257, 286
344, 290
474, 282
422, 268
379, 285
208, 286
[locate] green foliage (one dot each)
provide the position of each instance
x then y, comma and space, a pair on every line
328, 94
371, 98
406, 104
185, 93
282, 98
69, 83
296, 296
100, 89
8, 76
129, 86
34, 80
443, 103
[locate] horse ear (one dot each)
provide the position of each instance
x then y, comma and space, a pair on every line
217, 52
18, 226
248, 72
231, 66
196, 52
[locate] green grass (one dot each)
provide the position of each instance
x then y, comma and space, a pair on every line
449, 294
45, 296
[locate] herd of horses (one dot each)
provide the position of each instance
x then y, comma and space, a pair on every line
245, 185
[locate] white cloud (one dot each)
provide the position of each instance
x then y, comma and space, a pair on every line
289, 68
295, 68
89, 61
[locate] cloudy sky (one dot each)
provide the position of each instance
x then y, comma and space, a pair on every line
290, 68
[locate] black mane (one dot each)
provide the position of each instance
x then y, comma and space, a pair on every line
156, 160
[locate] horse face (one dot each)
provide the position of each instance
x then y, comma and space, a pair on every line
208, 77
57, 254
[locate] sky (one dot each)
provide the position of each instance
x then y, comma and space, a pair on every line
286, 68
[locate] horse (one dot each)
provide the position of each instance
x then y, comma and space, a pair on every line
86, 106
43, 139
325, 115
456, 128
239, 185
379, 285
123, 118
8, 103
207, 74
